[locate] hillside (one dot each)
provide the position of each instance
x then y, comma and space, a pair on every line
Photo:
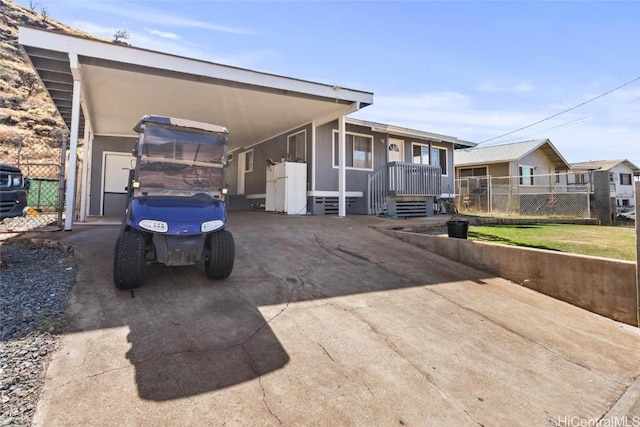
30, 126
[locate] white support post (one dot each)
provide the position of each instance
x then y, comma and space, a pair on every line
342, 171
70, 196
313, 156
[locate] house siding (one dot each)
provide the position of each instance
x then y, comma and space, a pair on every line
99, 146
622, 192
327, 177
274, 149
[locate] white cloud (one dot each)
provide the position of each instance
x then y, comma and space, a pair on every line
164, 34
151, 15
187, 49
606, 130
522, 87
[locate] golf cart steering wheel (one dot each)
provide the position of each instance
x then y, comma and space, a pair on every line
195, 178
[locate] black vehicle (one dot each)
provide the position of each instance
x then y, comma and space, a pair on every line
13, 191
176, 212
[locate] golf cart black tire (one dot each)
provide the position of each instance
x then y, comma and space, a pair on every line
129, 260
222, 253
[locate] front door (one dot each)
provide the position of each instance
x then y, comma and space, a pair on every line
395, 150
115, 179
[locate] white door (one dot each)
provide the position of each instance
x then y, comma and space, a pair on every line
395, 153
395, 150
115, 179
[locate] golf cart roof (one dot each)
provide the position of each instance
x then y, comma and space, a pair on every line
172, 121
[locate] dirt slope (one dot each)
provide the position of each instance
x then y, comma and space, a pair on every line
30, 126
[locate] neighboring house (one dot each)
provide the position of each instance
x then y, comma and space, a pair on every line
389, 169
528, 160
621, 177
521, 178
102, 89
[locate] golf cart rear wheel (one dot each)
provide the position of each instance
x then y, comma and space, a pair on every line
129, 260
222, 252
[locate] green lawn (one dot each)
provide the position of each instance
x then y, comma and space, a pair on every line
608, 242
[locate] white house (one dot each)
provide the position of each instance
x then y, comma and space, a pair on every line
621, 176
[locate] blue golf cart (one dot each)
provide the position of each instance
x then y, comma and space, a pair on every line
176, 213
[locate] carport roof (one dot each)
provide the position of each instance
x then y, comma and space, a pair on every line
119, 84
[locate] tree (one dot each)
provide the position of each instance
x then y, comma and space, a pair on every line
30, 81
121, 35
33, 5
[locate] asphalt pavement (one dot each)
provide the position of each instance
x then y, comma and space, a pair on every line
326, 321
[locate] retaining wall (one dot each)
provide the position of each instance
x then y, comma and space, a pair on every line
603, 286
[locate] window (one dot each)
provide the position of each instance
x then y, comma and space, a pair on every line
625, 179
359, 151
467, 172
581, 178
437, 156
526, 175
625, 202
248, 161
297, 146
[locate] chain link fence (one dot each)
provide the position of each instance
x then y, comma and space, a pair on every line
532, 196
45, 199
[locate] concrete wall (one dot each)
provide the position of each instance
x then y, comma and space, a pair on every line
603, 286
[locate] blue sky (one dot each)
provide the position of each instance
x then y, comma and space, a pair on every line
473, 70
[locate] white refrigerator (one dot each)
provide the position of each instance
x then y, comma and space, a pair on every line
287, 188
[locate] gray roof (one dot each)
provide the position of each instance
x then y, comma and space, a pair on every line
604, 165
402, 131
504, 153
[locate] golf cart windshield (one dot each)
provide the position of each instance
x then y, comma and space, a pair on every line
179, 161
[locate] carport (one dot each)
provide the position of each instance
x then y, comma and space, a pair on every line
102, 88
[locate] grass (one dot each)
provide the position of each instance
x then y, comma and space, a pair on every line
602, 241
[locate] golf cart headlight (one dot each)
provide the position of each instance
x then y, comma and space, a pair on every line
211, 225
225, 190
152, 225
17, 181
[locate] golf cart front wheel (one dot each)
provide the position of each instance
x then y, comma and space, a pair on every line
129, 260
222, 252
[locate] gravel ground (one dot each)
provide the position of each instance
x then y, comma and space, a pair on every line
35, 280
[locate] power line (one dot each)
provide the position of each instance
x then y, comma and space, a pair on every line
562, 112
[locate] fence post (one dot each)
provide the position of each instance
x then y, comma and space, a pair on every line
602, 197
490, 193
636, 197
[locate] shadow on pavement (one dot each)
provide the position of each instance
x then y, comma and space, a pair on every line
190, 335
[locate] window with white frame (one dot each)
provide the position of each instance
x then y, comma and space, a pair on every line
526, 175
359, 151
297, 146
248, 161
437, 156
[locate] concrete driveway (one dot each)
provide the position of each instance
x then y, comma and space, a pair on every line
326, 321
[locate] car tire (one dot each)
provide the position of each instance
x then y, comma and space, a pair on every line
129, 260
222, 252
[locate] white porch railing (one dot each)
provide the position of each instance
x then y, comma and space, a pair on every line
401, 179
